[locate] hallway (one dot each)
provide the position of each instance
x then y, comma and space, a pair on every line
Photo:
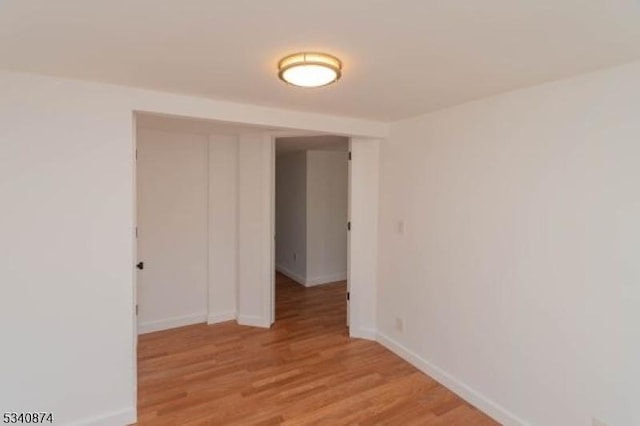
304, 370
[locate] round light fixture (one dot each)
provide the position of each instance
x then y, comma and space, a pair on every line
309, 69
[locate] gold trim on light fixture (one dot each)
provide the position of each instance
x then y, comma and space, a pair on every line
310, 69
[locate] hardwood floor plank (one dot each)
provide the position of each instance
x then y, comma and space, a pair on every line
305, 370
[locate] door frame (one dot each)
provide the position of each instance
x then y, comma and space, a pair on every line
363, 171
272, 291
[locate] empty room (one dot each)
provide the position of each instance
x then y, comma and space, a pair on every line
363, 212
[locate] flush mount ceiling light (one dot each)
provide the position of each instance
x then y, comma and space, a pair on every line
309, 69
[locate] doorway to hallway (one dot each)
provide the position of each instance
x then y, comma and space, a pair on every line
311, 213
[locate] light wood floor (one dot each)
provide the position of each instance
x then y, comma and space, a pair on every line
303, 371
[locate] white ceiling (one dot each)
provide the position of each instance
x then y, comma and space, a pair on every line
402, 57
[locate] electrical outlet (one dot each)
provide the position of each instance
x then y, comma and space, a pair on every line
401, 227
399, 324
598, 422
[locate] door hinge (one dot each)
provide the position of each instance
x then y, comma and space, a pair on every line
348, 226
348, 295
349, 155
136, 155
136, 232
137, 309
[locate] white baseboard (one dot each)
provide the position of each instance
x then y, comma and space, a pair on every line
253, 321
470, 395
310, 282
289, 273
165, 324
115, 418
221, 317
326, 279
363, 333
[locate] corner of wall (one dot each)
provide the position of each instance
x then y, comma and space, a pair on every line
218, 317
173, 322
452, 383
253, 321
294, 276
325, 279
363, 333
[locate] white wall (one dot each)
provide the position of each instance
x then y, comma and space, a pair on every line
363, 237
223, 171
517, 273
67, 248
172, 194
66, 251
326, 224
255, 231
311, 216
291, 215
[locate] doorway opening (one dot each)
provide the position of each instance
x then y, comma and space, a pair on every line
239, 164
311, 228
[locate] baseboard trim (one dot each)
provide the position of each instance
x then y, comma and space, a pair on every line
475, 398
363, 333
221, 317
252, 321
289, 273
326, 279
310, 282
115, 418
165, 324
